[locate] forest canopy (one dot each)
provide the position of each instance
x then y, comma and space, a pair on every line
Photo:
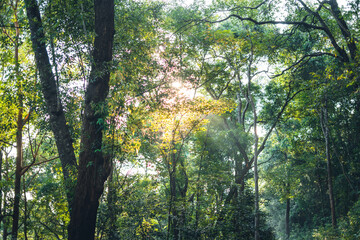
224, 119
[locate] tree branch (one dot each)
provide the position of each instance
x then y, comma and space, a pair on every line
305, 24
301, 61
326, 29
26, 168
287, 101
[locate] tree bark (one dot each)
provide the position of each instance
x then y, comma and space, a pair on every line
53, 102
18, 170
350, 41
16, 206
94, 168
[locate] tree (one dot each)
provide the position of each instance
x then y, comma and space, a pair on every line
19, 76
174, 124
325, 20
236, 54
94, 167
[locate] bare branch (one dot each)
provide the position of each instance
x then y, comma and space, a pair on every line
26, 168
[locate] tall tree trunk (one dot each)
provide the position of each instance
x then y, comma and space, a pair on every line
256, 143
16, 206
325, 128
94, 168
18, 170
256, 179
53, 102
19, 134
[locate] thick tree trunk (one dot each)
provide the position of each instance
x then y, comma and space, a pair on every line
18, 170
52, 98
94, 168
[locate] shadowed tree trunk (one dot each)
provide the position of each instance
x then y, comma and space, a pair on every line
52, 99
93, 168
19, 132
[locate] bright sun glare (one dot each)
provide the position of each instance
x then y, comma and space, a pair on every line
187, 92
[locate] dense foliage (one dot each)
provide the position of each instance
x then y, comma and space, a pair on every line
165, 120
